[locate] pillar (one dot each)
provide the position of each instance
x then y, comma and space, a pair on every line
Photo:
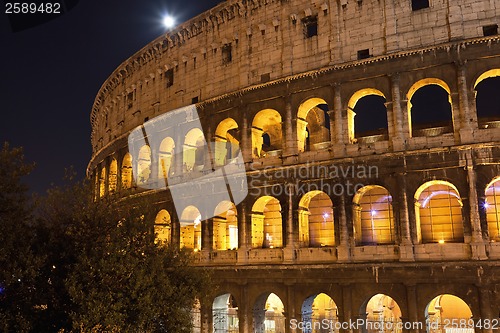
347, 315
400, 131
411, 296
467, 119
246, 137
344, 247
339, 135
406, 246
290, 130
485, 309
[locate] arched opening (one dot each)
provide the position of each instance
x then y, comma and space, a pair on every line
445, 312
196, 317
227, 146
267, 223
112, 177
127, 171
487, 87
316, 226
143, 165
102, 182
225, 314
492, 207
438, 211
268, 314
267, 134
367, 116
383, 315
373, 216
163, 228
165, 157
319, 314
194, 150
190, 225
225, 227
313, 125
429, 108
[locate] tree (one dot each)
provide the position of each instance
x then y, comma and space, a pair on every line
113, 275
18, 262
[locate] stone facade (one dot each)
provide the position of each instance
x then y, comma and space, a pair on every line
281, 80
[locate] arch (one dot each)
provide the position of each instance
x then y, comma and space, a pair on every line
438, 211
268, 314
225, 226
492, 207
165, 157
126, 171
225, 314
194, 150
487, 99
367, 115
449, 309
373, 216
227, 146
190, 228
144, 164
113, 175
313, 124
266, 122
319, 314
267, 230
102, 182
163, 227
430, 94
316, 225
383, 314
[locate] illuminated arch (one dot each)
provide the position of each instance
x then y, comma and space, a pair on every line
112, 177
367, 118
225, 314
165, 157
144, 164
438, 211
487, 99
190, 228
373, 216
417, 126
226, 144
102, 182
381, 311
126, 171
267, 231
448, 308
194, 150
313, 124
317, 310
163, 227
225, 227
268, 314
492, 208
316, 226
266, 132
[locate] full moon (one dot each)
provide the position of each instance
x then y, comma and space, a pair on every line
168, 21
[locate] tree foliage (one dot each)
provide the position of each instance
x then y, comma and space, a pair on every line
98, 268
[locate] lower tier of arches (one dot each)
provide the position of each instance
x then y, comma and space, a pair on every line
445, 298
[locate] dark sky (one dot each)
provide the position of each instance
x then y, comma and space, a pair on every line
51, 73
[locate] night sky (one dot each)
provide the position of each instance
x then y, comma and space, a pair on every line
50, 75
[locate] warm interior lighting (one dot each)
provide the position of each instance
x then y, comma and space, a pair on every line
441, 241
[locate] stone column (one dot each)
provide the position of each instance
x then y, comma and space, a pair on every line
209, 149
207, 234
477, 242
178, 152
468, 120
290, 308
340, 125
406, 246
246, 137
244, 231
400, 133
411, 296
485, 308
176, 230
344, 246
206, 318
347, 315
331, 114
290, 130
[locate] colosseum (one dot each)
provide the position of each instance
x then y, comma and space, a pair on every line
370, 135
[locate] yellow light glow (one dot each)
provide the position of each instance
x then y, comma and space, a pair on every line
441, 241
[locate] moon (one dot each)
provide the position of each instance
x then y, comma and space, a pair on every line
168, 21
